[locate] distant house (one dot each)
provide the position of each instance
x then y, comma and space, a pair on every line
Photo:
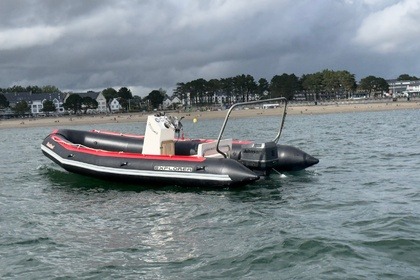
114, 105
36, 100
98, 96
169, 102
166, 102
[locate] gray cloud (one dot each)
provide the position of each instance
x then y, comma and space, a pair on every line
82, 45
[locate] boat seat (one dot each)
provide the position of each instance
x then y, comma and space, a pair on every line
208, 149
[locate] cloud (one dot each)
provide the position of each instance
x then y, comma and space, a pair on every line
151, 44
393, 29
27, 37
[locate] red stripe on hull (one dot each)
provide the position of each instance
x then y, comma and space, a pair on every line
86, 150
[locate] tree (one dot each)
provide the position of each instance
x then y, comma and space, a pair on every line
213, 87
16, 88
123, 103
50, 89
406, 77
228, 87
312, 84
109, 94
88, 103
3, 101
197, 89
373, 84
245, 85
34, 89
181, 91
284, 85
155, 98
21, 108
73, 103
347, 81
125, 93
263, 87
136, 103
48, 106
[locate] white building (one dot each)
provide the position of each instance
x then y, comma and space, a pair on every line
170, 102
36, 100
114, 105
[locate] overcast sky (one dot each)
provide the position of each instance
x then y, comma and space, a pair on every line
80, 45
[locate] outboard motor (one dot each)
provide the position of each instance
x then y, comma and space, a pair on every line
268, 156
259, 156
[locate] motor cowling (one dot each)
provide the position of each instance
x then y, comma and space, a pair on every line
259, 156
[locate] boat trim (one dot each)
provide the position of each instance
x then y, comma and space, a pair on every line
99, 152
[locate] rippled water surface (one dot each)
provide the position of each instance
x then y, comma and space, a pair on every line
355, 215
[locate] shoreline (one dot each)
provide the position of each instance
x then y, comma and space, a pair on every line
292, 109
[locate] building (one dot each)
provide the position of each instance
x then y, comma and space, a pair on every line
397, 87
171, 102
35, 101
114, 105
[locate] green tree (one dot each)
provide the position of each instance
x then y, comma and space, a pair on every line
374, 85
34, 89
136, 104
124, 103
197, 89
3, 101
263, 87
245, 85
312, 84
21, 108
50, 89
228, 88
181, 91
110, 94
347, 81
125, 93
337, 82
17, 89
406, 77
285, 85
88, 103
213, 88
73, 103
155, 98
48, 106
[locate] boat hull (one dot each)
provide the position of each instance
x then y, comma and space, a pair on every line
134, 167
289, 158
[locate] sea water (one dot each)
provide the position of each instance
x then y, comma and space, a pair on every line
355, 215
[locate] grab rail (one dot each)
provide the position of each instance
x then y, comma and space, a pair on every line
276, 139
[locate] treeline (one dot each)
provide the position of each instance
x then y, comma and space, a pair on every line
242, 88
76, 103
33, 89
327, 83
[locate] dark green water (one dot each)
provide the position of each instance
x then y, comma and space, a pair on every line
356, 215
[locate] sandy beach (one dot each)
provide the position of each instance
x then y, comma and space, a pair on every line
293, 109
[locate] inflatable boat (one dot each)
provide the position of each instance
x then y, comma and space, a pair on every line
159, 157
